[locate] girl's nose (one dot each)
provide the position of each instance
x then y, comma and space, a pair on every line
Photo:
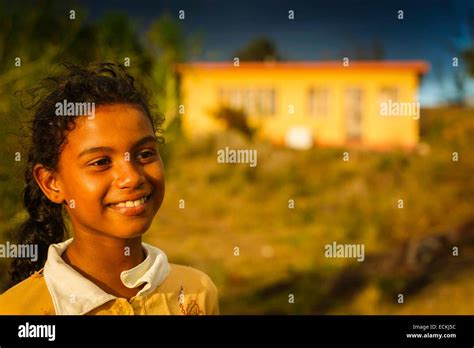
128, 176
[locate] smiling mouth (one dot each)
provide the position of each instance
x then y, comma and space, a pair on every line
131, 208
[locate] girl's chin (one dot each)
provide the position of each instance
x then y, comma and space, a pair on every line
130, 229
129, 234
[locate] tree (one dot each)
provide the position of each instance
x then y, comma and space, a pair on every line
468, 53
259, 49
374, 50
465, 54
168, 46
234, 119
468, 56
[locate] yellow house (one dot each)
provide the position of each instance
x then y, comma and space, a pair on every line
371, 103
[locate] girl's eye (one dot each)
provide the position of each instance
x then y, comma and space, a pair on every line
100, 163
146, 154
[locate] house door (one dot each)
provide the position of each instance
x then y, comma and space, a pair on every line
353, 101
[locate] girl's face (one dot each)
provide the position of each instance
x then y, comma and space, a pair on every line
110, 172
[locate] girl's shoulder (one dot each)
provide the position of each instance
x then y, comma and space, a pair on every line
29, 297
190, 275
190, 285
191, 278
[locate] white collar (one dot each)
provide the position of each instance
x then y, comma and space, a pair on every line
72, 293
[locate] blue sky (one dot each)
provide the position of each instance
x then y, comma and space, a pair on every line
432, 30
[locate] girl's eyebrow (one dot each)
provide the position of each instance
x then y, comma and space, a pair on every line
95, 149
144, 140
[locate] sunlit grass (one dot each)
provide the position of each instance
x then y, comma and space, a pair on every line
281, 250
228, 206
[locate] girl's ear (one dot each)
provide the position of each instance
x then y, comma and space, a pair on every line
48, 182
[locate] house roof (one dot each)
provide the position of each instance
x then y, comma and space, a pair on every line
418, 66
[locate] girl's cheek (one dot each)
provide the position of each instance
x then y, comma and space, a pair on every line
88, 189
92, 186
157, 173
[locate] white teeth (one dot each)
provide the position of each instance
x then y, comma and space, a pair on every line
130, 204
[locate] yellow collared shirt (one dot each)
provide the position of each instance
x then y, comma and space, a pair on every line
59, 289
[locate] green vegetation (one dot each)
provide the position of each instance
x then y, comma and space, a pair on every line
408, 250
281, 249
234, 119
34, 42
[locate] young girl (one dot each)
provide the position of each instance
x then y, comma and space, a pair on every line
102, 169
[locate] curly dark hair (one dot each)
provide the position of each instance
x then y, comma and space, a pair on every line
106, 83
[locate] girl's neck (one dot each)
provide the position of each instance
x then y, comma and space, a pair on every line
102, 259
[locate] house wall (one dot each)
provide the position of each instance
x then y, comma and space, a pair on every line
200, 96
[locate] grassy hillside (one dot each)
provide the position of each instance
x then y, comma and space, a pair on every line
282, 249
408, 251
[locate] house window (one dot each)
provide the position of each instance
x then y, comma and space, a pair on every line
266, 102
319, 102
235, 99
354, 111
253, 101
